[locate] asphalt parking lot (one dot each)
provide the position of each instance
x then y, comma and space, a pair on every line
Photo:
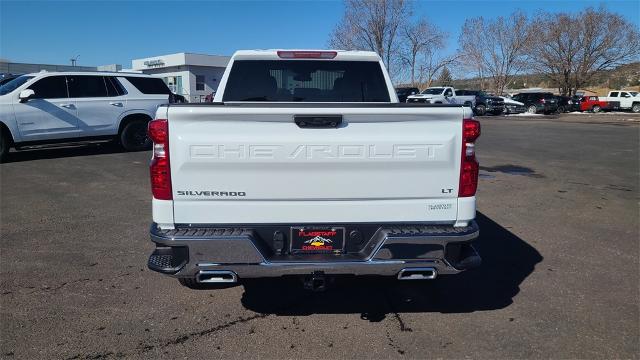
558, 212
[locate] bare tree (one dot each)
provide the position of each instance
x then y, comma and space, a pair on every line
416, 38
432, 62
372, 25
569, 48
496, 48
470, 42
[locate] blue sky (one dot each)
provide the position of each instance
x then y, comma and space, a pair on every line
106, 32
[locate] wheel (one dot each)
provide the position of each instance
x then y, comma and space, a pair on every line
480, 110
133, 136
5, 144
635, 108
595, 108
561, 109
532, 109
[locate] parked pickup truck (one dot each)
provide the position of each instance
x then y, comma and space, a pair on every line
623, 100
306, 164
592, 103
442, 95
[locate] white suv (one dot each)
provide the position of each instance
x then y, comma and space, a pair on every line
55, 107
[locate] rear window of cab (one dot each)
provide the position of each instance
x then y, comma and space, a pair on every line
306, 81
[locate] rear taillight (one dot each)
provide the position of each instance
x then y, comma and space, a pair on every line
307, 54
469, 165
160, 168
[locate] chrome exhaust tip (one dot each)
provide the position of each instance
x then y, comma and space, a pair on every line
216, 276
426, 273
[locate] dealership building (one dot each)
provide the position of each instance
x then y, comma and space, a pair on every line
193, 76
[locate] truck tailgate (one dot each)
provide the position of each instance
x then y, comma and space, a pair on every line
239, 164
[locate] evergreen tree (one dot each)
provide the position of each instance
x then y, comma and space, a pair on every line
445, 77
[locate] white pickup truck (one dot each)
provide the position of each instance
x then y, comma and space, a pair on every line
623, 100
442, 95
305, 164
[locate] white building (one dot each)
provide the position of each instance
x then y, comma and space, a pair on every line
192, 75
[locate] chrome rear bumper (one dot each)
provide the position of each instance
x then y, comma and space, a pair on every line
243, 252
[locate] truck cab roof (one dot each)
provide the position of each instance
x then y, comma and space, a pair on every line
308, 54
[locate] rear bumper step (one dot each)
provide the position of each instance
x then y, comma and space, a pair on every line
231, 253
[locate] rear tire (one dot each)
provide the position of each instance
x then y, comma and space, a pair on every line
635, 108
532, 109
133, 136
561, 109
5, 144
481, 110
595, 109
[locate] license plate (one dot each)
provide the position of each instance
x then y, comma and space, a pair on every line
317, 240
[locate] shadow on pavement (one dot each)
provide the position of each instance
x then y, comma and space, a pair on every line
507, 261
63, 151
513, 170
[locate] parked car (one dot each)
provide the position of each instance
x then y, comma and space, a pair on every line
225, 210
484, 103
575, 103
564, 103
538, 102
5, 78
623, 100
442, 95
592, 103
209, 97
513, 107
403, 92
177, 99
55, 107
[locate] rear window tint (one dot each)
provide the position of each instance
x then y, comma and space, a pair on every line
149, 85
306, 80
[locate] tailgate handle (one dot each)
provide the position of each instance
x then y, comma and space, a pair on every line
318, 121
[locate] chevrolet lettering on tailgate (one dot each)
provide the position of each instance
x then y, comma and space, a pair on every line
316, 151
